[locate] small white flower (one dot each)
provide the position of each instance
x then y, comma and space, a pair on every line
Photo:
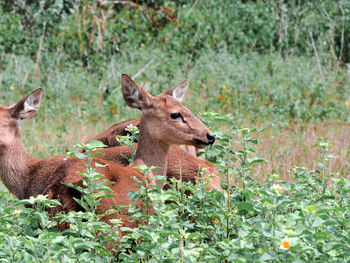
16, 212
131, 128
277, 188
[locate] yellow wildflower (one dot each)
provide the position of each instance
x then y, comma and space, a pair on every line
226, 89
12, 88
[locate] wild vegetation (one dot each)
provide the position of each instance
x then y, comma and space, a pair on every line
271, 78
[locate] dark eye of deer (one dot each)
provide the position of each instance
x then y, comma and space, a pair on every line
177, 115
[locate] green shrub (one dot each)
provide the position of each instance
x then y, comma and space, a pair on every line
277, 221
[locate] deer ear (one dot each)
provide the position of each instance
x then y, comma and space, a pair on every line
27, 107
178, 92
134, 95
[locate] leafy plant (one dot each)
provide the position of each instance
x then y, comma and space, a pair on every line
129, 141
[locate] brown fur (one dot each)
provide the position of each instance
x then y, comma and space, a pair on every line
157, 132
123, 184
176, 157
189, 162
108, 137
22, 174
26, 176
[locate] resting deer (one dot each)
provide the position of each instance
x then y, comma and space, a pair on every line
108, 137
27, 176
164, 121
21, 173
181, 163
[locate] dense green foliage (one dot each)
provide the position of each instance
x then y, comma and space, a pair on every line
250, 63
92, 31
276, 221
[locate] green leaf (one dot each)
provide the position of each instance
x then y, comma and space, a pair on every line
254, 141
245, 206
159, 178
100, 165
318, 222
78, 155
97, 154
267, 256
325, 197
257, 160
95, 144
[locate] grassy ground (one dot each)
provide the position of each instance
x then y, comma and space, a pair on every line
294, 146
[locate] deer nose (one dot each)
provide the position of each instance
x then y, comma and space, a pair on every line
211, 138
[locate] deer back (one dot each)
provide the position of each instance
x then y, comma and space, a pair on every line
121, 177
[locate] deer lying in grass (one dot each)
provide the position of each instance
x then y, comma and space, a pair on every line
164, 121
181, 163
27, 176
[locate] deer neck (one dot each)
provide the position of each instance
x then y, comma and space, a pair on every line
151, 151
14, 167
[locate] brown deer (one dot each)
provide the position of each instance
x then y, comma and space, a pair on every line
164, 121
21, 173
108, 137
27, 176
181, 162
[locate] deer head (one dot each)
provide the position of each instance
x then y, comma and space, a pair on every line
25, 108
167, 120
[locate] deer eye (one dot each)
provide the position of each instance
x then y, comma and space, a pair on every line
177, 115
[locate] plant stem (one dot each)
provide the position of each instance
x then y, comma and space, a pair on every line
228, 188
